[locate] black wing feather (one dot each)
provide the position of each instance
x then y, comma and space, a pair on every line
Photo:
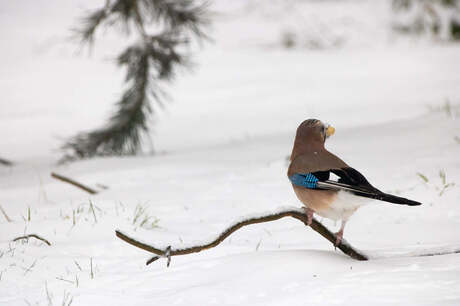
353, 181
322, 175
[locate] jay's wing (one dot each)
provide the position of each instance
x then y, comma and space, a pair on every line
353, 181
322, 164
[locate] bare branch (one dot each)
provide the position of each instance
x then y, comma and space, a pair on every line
33, 236
297, 214
72, 182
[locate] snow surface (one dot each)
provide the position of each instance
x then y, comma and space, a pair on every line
223, 143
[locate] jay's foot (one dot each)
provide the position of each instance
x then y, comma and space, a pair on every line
339, 236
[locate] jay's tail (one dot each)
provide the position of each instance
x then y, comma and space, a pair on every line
372, 194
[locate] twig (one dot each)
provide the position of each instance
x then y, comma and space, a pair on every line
423, 252
4, 214
78, 266
92, 209
30, 268
48, 294
6, 162
64, 280
428, 253
33, 236
297, 214
72, 182
91, 264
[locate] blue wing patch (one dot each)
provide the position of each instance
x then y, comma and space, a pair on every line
306, 180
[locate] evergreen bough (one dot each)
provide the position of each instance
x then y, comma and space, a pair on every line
149, 62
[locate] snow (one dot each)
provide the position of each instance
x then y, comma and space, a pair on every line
223, 144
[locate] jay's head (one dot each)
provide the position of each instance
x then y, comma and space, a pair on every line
311, 135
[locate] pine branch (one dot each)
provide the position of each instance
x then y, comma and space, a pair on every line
89, 24
297, 214
179, 15
123, 133
5, 162
149, 63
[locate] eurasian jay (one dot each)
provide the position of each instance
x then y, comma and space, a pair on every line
309, 172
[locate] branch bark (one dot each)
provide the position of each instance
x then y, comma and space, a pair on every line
297, 214
72, 182
33, 236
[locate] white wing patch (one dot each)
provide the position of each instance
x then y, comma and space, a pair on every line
344, 205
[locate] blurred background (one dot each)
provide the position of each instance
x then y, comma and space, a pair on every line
263, 68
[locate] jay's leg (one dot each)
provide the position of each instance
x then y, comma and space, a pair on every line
309, 213
339, 234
